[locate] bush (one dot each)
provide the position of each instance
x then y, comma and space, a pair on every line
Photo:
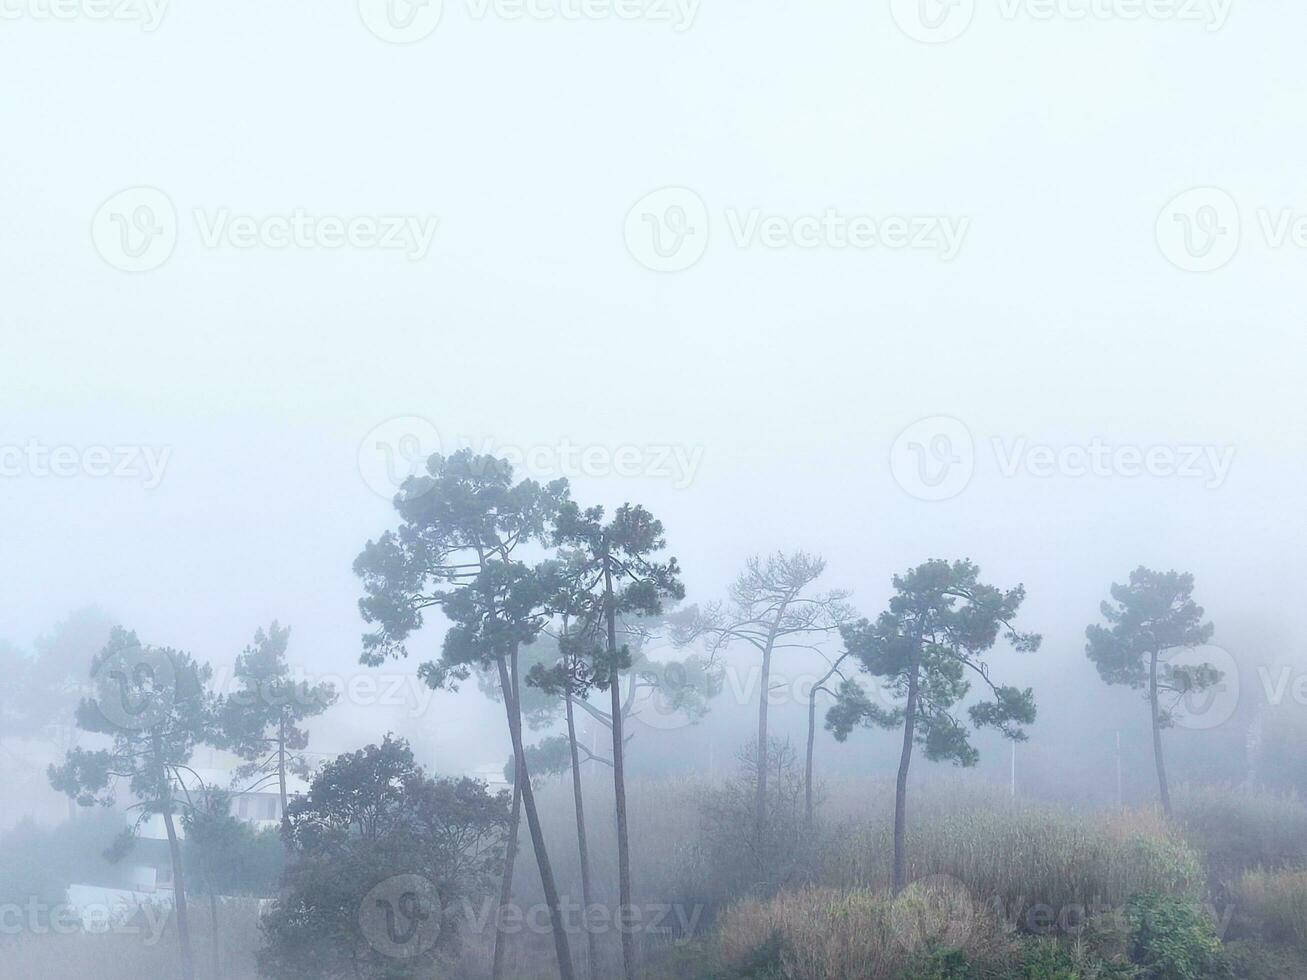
1173, 939
734, 858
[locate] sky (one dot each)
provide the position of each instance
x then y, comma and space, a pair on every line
833, 279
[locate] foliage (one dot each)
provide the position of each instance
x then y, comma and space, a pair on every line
229, 856
461, 523
369, 817
1174, 939
923, 649
261, 720
1155, 612
154, 705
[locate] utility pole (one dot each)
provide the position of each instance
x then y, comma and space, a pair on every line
1013, 788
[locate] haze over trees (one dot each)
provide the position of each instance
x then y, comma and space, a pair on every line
464, 525
262, 719
773, 608
154, 706
1150, 616
924, 651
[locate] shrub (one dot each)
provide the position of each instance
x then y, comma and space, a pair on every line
1173, 939
738, 857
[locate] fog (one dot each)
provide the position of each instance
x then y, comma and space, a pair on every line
790, 279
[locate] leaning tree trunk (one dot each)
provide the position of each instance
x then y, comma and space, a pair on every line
1163, 788
760, 788
625, 910
533, 823
812, 739
901, 786
179, 893
510, 858
591, 953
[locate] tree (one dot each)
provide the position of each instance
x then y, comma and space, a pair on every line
154, 705
456, 550
1151, 615
940, 623
382, 857
818, 688
609, 572
771, 608
260, 721
570, 679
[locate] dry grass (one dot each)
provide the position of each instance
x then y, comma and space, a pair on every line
828, 934
1275, 904
1020, 855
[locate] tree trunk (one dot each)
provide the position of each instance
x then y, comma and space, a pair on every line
1162, 786
592, 957
625, 912
281, 762
533, 824
807, 768
179, 893
901, 786
510, 859
760, 790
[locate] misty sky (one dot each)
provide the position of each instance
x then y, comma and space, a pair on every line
784, 374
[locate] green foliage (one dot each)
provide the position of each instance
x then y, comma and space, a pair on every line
460, 524
924, 649
1174, 939
228, 856
1155, 612
370, 817
154, 705
260, 720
